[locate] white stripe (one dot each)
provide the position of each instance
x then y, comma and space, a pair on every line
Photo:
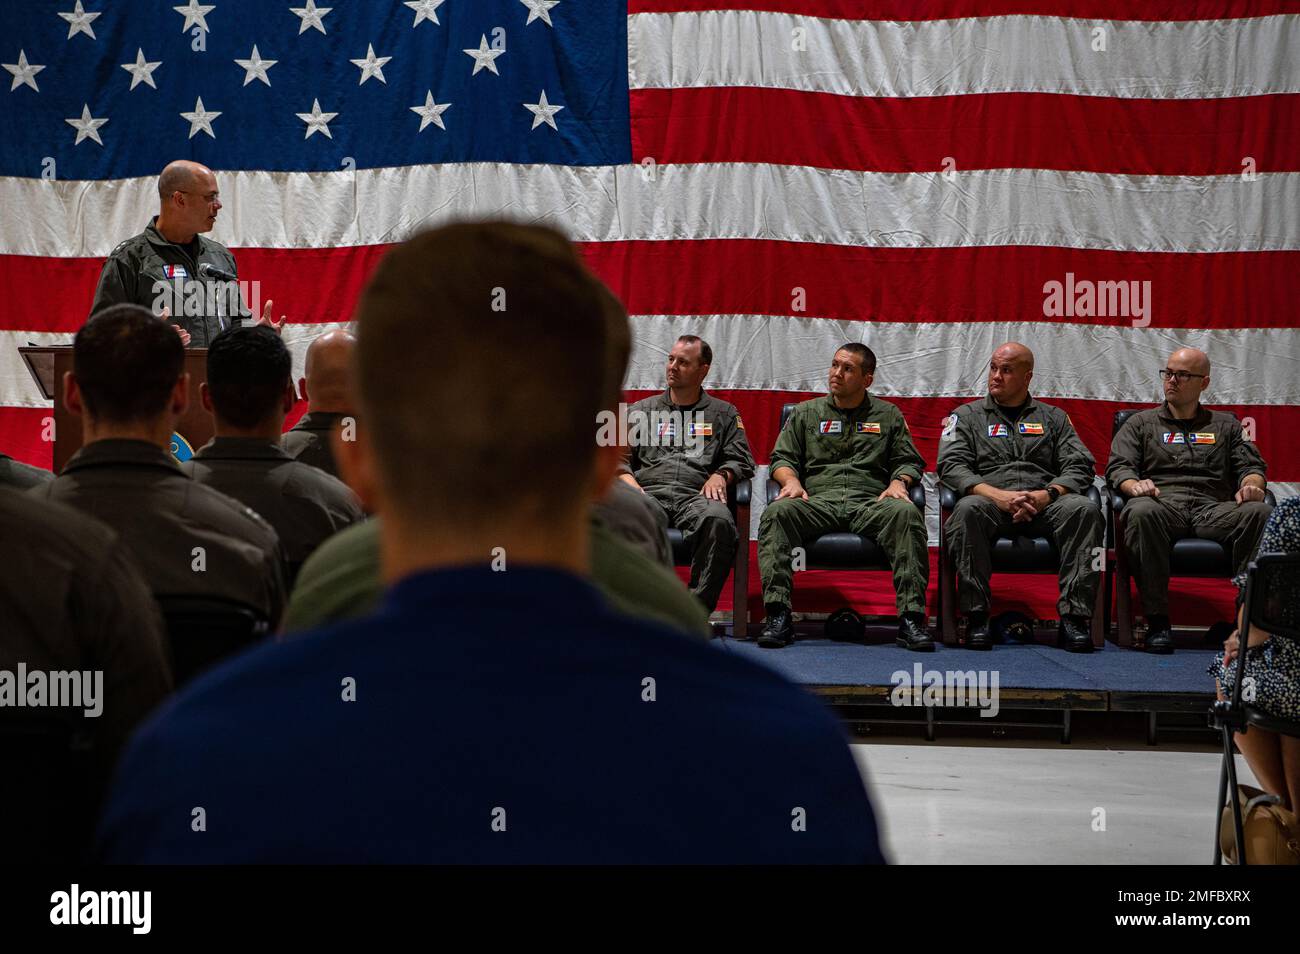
1092, 362
1143, 59
689, 201
17, 389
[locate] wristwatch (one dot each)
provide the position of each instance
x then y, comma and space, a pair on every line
1052, 494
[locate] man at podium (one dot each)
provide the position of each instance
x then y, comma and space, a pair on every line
171, 269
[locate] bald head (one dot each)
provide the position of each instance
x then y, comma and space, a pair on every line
1010, 370
1190, 359
328, 382
184, 176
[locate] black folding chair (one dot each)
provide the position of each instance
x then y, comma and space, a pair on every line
203, 630
738, 497
1272, 603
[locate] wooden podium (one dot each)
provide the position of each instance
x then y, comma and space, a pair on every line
49, 363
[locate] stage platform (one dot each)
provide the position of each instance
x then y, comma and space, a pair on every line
860, 681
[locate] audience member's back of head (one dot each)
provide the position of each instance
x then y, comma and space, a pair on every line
126, 362
248, 372
481, 356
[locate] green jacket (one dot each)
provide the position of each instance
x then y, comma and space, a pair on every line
981, 444
341, 581
721, 444
1204, 458
858, 451
148, 270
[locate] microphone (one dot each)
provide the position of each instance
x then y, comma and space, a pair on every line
211, 271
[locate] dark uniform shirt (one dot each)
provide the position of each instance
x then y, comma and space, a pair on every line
858, 451
16, 474
163, 515
559, 756
309, 440
146, 269
713, 440
1024, 449
1201, 460
305, 505
72, 598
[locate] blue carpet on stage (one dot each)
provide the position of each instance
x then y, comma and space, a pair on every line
821, 662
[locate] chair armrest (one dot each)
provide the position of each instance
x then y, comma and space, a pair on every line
917, 493
1093, 494
1117, 501
1269, 498
740, 492
773, 488
947, 497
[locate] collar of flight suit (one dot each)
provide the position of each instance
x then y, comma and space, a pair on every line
157, 238
319, 420
241, 448
1199, 419
864, 407
993, 407
116, 452
700, 405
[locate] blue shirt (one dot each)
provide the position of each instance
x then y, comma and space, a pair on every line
499, 717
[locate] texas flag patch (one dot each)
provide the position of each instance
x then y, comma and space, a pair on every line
1031, 427
1172, 437
868, 427
1202, 437
997, 430
700, 428
830, 427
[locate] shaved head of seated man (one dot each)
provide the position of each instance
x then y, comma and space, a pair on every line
326, 386
1188, 471
499, 711
172, 270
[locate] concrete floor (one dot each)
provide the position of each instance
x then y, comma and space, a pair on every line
1016, 804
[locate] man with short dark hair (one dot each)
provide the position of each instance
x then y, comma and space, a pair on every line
693, 449
577, 729
845, 462
166, 267
1014, 461
1188, 471
248, 392
326, 386
189, 540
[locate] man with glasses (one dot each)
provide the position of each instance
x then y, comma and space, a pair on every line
1188, 471
163, 268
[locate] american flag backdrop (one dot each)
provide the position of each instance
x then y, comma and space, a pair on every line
778, 176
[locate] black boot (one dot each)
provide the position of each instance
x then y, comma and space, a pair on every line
912, 634
1076, 633
1160, 637
778, 629
977, 631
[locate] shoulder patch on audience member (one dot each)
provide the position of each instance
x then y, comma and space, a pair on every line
739, 423
1172, 437
830, 427
1202, 437
868, 427
997, 430
1031, 427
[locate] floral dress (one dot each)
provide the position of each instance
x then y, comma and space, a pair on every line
1274, 665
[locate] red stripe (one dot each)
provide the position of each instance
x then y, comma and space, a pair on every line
1194, 137
952, 9
986, 283
1275, 425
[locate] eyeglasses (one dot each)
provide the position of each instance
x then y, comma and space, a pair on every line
1180, 376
